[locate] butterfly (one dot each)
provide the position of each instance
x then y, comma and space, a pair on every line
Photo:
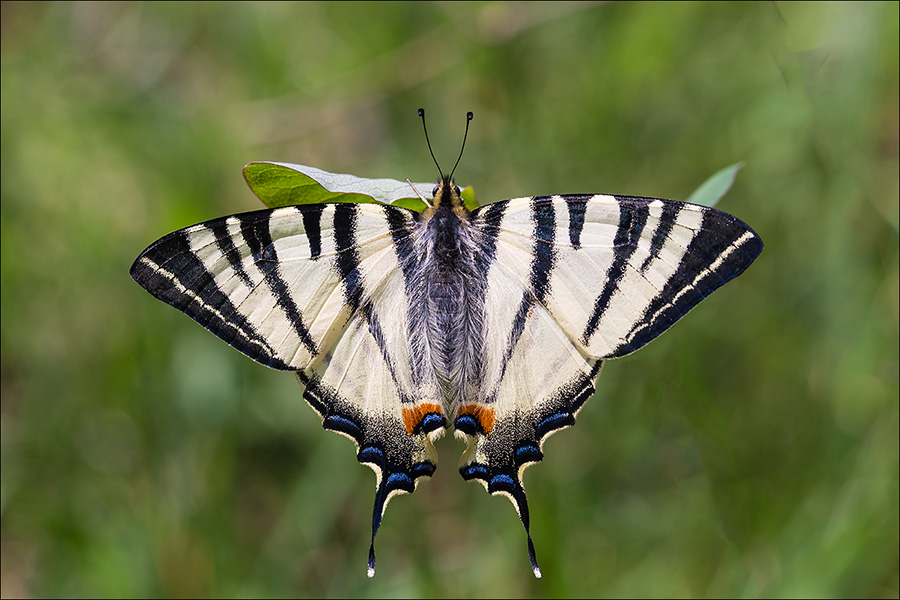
493, 321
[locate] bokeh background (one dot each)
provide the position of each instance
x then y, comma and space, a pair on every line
752, 451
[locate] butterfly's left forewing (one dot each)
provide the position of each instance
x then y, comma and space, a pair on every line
574, 280
320, 290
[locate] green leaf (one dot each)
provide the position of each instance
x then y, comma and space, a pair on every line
712, 190
283, 184
468, 198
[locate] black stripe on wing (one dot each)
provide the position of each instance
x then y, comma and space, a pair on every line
410, 263
577, 206
661, 234
173, 273
258, 237
226, 245
543, 219
356, 294
721, 250
632, 220
312, 225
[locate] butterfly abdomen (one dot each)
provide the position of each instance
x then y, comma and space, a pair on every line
454, 306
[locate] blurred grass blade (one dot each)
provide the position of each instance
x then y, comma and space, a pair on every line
283, 184
712, 190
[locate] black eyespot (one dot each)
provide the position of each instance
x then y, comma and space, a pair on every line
456, 189
434, 191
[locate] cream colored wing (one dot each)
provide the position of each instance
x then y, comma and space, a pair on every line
316, 289
571, 281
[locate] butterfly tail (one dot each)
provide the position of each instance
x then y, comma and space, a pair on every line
511, 487
534, 565
499, 451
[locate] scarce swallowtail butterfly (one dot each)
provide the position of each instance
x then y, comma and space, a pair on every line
493, 321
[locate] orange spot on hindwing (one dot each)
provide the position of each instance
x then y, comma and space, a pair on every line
482, 414
412, 417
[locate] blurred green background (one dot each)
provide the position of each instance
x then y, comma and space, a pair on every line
752, 451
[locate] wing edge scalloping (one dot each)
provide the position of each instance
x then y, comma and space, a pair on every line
342, 417
559, 412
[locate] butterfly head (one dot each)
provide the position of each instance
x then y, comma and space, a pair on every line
446, 195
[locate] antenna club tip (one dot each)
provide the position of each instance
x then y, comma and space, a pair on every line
421, 112
371, 572
469, 115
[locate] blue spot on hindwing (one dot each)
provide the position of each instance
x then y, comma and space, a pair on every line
400, 481
554, 422
422, 469
371, 454
467, 424
474, 471
342, 424
528, 453
502, 482
430, 422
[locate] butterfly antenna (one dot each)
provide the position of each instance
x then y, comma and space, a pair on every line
428, 141
469, 117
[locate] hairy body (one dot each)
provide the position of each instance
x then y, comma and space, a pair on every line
451, 297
